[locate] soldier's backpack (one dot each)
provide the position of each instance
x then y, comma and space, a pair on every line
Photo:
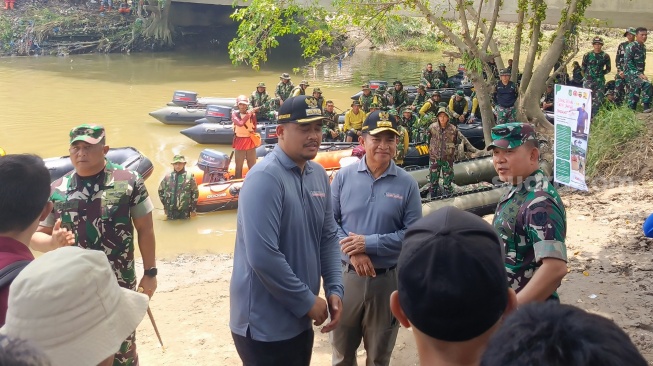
10, 272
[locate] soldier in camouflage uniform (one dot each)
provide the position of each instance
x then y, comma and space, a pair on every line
284, 88
420, 98
261, 99
300, 89
458, 108
399, 96
530, 217
367, 98
442, 75
432, 105
596, 64
330, 130
442, 152
409, 120
321, 103
576, 75
620, 77
505, 96
178, 191
403, 140
101, 203
635, 64
382, 98
428, 77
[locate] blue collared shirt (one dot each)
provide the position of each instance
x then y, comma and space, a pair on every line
286, 239
381, 209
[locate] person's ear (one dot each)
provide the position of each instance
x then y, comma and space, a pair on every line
280, 130
512, 302
105, 149
397, 311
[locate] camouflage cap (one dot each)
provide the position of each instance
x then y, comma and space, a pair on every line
91, 134
285, 76
374, 105
178, 159
379, 121
317, 90
365, 87
511, 135
261, 85
630, 30
445, 111
304, 82
598, 40
407, 110
300, 109
442, 65
421, 86
504, 72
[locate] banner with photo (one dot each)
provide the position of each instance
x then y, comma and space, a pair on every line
573, 108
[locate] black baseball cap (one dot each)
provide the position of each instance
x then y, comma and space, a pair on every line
452, 283
379, 121
300, 109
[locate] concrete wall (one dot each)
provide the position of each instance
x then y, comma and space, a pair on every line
616, 13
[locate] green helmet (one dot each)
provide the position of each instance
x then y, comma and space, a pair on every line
381, 89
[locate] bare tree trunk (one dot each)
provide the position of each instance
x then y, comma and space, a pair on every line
532, 50
158, 24
516, 53
483, 93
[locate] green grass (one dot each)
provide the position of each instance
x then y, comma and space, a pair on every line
611, 133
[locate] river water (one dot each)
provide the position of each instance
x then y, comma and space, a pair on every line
42, 98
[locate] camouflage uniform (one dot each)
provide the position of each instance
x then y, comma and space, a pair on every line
442, 152
530, 218
412, 125
382, 98
366, 101
331, 124
634, 66
429, 78
619, 82
595, 66
260, 100
419, 100
283, 90
399, 98
402, 144
442, 75
99, 212
178, 193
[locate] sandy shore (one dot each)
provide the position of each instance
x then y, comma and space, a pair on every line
610, 269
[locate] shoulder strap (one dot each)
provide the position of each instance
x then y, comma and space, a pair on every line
10, 272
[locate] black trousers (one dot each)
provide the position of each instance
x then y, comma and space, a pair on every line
291, 352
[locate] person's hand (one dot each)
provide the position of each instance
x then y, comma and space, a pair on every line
621, 74
61, 237
148, 284
335, 309
319, 311
428, 85
193, 214
363, 265
334, 134
353, 244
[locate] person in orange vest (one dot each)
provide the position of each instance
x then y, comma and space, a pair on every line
9, 4
124, 8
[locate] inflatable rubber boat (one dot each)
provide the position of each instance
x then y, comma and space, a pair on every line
186, 108
128, 157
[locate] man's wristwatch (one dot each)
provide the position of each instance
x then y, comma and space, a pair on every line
152, 272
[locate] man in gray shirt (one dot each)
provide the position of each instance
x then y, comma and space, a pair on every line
374, 202
286, 240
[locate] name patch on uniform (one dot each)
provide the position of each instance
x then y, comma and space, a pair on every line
65, 205
318, 194
394, 195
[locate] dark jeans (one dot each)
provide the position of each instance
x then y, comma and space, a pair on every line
291, 352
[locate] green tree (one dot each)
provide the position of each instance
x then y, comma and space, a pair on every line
266, 20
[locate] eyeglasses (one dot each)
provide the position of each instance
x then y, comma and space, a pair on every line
76, 149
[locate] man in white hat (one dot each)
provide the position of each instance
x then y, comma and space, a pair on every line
68, 303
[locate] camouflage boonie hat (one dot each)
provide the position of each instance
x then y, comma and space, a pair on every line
365, 87
442, 65
421, 86
374, 105
598, 40
304, 82
511, 135
630, 30
504, 72
317, 90
261, 85
443, 110
91, 134
285, 76
178, 159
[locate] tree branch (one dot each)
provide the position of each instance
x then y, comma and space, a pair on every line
492, 44
490, 33
517, 51
441, 26
478, 20
462, 9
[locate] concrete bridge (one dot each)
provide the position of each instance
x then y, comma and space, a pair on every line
619, 13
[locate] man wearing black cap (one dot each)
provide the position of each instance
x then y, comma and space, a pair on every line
285, 245
374, 202
620, 77
530, 218
596, 64
505, 96
451, 263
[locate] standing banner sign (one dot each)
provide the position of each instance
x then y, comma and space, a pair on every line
573, 108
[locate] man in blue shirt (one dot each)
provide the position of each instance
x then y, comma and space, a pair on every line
374, 202
286, 240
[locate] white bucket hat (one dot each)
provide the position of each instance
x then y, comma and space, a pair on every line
68, 303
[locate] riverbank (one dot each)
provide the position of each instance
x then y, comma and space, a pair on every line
610, 265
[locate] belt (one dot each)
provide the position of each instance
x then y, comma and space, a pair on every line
376, 270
